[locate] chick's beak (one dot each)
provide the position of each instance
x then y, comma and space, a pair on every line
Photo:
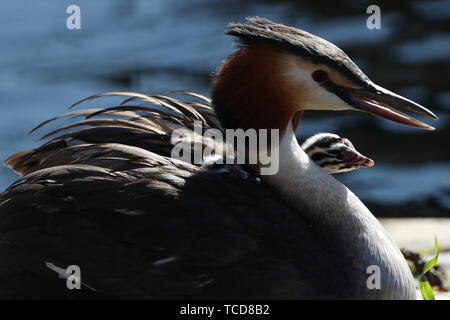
357, 160
364, 162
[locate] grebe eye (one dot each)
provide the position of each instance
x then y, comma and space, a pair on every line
319, 75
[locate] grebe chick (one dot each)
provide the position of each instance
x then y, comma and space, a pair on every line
334, 154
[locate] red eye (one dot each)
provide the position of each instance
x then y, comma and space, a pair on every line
319, 75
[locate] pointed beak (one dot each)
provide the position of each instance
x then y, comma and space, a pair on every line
384, 103
357, 160
364, 162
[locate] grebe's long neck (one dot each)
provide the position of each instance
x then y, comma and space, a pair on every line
338, 214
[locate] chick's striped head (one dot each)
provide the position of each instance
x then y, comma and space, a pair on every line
334, 154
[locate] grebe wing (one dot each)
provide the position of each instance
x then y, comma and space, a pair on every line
140, 224
166, 231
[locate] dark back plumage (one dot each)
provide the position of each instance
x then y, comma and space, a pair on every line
104, 194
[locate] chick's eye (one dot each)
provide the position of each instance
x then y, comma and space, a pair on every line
319, 75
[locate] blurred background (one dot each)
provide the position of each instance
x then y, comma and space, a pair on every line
158, 45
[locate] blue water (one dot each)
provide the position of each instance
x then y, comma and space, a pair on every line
156, 46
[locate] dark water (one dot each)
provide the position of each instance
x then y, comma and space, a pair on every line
156, 46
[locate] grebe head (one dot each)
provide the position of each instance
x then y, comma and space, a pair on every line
280, 71
334, 154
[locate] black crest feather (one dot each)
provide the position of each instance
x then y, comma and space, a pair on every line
296, 41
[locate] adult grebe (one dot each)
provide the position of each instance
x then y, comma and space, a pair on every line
109, 199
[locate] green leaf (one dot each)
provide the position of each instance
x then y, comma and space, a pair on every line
432, 262
425, 287
436, 246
